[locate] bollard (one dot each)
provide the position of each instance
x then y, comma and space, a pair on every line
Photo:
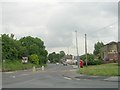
42, 68
34, 69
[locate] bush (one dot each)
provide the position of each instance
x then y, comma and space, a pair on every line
91, 60
95, 62
34, 59
15, 65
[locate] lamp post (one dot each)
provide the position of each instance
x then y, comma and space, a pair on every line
78, 59
86, 48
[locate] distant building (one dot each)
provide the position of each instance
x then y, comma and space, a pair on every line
118, 46
119, 53
109, 52
68, 56
76, 57
70, 59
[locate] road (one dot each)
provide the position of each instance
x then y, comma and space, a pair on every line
52, 77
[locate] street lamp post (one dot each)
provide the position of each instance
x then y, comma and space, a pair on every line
78, 59
86, 48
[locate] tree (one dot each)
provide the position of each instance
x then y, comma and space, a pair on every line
22, 51
62, 54
50, 57
9, 47
12, 36
35, 46
13, 49
34, 59
91, 60
55, 57
97, 48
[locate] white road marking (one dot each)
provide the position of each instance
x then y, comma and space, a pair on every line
68, 78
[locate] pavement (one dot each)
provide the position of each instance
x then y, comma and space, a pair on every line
74, 75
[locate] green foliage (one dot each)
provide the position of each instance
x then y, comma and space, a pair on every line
62, 54
23, 51
97, 48
9, 48
90, 59
55, 57
103, 70
52, 57
96, 58
34, 59
13, 49
35, 46
9, 65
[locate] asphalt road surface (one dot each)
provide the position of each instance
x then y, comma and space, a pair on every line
52, 77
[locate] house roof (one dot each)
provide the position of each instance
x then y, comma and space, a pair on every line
113, 42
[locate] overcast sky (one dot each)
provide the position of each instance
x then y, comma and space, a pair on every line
55, 23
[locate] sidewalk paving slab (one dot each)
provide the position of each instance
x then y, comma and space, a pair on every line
113, 78
73, 74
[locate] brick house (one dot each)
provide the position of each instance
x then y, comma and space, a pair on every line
109, 52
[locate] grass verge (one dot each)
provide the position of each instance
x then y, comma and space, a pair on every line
110, 69
16, 65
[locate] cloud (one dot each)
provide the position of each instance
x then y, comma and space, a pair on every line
56, 22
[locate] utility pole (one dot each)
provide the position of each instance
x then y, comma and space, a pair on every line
86, 48
78, 59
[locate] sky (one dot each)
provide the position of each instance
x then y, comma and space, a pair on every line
55, 22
